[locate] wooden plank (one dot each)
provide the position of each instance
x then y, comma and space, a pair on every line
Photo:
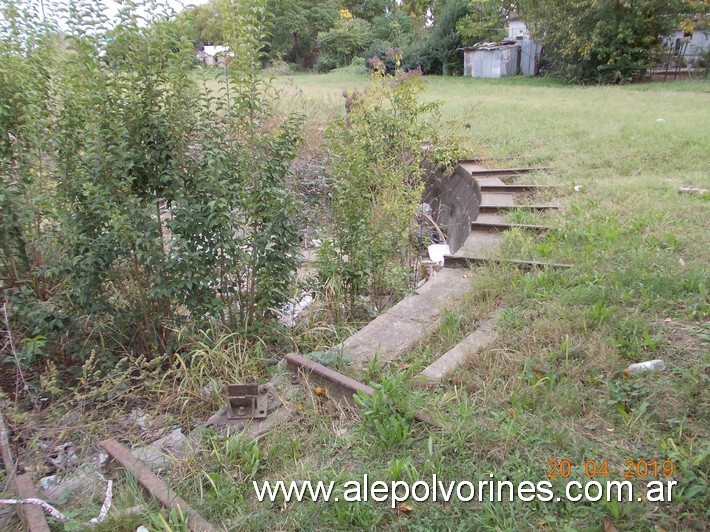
34, 515
155, 486
345, 386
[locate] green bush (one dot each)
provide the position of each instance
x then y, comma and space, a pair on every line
159, 197
376, 165
600, 40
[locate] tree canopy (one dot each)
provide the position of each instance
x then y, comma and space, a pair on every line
601, 40
585, 40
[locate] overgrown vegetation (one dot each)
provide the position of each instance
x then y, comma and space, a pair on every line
377, 170
142, 201
597, 41
158, 200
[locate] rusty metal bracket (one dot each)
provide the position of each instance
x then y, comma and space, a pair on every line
247, 401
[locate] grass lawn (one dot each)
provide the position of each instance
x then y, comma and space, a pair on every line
550, 386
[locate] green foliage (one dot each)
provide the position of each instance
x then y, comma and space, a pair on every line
377, 184
159, 199
486, 22
294, 28
603, 41
346, 39
437, 52
387, 412
202, 23
369, 9
27, 51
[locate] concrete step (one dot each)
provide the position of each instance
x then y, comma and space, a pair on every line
480, 243
405, 325
464, 351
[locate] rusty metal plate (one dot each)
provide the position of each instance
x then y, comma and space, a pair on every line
247, 401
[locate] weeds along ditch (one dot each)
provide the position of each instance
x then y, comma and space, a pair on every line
155, 216
156, 219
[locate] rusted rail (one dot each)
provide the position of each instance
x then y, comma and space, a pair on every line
451, 261
25, 489
340, 386
499, 208
34, 515
485, 187
496, 227
154, 485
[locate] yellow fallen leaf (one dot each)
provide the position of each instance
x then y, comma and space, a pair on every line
320, 391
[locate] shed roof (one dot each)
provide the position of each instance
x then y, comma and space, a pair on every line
491, 45
216, 50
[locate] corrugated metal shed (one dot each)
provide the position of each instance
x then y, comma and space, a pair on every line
492, 60
506, 58
529, 57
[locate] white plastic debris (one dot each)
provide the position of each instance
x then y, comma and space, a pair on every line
578, 188
660, 119
437, 252
692, 190
649, 365
51, 510
49, 482
293, 309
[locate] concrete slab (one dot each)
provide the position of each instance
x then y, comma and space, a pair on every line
487, 181
491, 218
480, 244
462, 352
402, 327
497, 199
473, 167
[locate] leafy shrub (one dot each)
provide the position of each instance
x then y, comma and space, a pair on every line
348, 38
157, 198
376, 164
598, 40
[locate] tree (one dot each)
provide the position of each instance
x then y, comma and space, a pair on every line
203, 23
605, 41
437, 52
369, 9
486, 22
417, 8
295, 25
349, 37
